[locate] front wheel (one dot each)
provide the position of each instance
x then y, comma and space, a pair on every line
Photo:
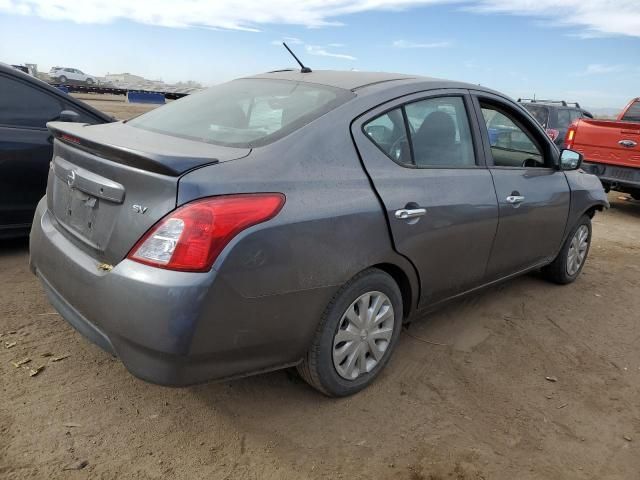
571, 259
62, 79
356, 335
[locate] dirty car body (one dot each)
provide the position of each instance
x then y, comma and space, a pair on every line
340, 185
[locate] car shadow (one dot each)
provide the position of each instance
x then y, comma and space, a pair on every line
619, 202
455, 325
14, 246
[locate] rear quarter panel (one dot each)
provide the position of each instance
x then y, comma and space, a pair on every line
331, 227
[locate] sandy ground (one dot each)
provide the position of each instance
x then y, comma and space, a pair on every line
477, 407
472, 404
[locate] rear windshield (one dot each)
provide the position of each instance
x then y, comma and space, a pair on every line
540, 113
633, 113
244, 113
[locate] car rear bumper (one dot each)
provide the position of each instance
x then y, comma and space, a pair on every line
614, 175
171, 328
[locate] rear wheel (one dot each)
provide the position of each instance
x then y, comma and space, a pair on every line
571, 259
89, 81
635, 195
356, 336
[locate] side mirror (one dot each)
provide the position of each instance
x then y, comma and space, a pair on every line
570, 160
68, 116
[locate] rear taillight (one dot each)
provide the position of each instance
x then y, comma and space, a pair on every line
553, 133
571, 133
191, 237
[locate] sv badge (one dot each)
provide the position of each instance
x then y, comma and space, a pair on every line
139, 209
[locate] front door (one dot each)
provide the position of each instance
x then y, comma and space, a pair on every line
533, 194
425, 160
26, 147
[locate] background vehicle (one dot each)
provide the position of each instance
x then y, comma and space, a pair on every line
71, 75
26, 146
611, 149
554, 115
222, 235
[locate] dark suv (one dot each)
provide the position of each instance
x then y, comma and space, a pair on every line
26, 146
555, 116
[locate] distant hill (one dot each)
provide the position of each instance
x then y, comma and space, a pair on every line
607, 113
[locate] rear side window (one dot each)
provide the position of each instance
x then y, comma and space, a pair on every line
22, 105
540, 113
438, 133
564, 117
389, 134
633, 113
244, 113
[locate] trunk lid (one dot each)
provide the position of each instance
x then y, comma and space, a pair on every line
108, 184
611, 142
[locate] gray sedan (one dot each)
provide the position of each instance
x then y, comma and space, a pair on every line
299, 219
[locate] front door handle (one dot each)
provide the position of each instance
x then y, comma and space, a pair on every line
515, 199
405, 213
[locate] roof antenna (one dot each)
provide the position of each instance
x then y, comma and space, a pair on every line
303, 69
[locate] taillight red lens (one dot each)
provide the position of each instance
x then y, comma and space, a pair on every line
571, 133
191, 237
553, 133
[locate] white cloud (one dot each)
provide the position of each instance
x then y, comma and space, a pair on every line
603, 69
288, 40
590, 17
408, 44
594, 17
318, 50
322, 52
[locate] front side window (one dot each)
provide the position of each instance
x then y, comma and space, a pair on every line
243, 113
511, 144
633, 113
438, 133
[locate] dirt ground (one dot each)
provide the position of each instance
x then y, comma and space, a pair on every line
465, 396
115, 105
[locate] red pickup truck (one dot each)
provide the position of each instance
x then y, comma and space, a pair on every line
611, 149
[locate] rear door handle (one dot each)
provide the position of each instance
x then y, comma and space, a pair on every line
515, 199
405, 213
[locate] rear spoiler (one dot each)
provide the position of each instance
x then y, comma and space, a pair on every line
151, 162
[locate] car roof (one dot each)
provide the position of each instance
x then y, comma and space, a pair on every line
348, 80
368, 81
37, 83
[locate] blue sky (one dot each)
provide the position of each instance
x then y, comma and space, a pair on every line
587, 51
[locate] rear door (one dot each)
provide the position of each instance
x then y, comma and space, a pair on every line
25, 147
424, 157
533, 195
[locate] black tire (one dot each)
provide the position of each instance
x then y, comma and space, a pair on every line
635, 195
317, 367
89, 81
62, 79
557, 270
